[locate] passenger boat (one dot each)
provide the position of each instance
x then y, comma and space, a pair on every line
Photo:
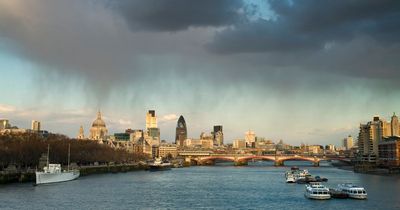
159, 165
317, 191
336, 193
290, 178
353, 191
53, 173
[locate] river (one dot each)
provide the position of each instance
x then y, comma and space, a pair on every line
257, 186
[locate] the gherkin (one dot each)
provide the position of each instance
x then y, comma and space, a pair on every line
181, 132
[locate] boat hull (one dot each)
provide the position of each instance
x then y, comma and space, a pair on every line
46, 178
159, 168
317, 197
360, 197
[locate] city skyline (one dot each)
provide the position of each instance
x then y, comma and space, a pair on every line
314, 82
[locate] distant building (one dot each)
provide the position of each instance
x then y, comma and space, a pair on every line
218, 135
81, 134
166, 150
389, 151
98, 131
151, 119
35, 126
250, 138
330, 147
153, 131
369, 137
394, 125
239, 144
348, 142
181, 132
4, 124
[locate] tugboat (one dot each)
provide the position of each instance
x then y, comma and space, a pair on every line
353, 191
52, 173
317, 191
159, 165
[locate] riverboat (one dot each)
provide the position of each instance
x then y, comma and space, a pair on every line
52, 173
353, 191
159, 165
317, 191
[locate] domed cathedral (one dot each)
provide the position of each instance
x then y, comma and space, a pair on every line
98, 131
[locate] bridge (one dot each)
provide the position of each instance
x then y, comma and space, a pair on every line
208, 158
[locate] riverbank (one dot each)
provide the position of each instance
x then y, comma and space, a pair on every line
29, 176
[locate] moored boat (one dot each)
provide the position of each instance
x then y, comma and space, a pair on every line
159, 165
317, 191
52, 173
290, 179
353, 191
335, 193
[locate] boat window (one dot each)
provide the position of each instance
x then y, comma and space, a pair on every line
363, 192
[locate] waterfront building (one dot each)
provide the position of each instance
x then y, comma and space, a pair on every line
394, 125
330, 147
315, 149
389, 151
81, 134
348, 142
250, 138
35, 126
166, 150
369, 137
98, 131
181, 132
218, 135
239, 144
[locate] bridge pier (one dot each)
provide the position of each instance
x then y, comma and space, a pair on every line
316, 163
241, 163
278, 163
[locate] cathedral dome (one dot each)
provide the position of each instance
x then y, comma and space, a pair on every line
98, 122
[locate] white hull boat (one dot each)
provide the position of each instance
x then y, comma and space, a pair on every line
52, 173
316, 191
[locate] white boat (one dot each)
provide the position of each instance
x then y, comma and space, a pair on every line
53, 173
317, 191
159, 165
290, 178
353, 191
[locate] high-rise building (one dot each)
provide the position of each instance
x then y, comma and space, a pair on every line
218, 135
98, 131
250, 138
369, 137
151, 119
348, 142
394, 125
81, 134
181, 132
35, 125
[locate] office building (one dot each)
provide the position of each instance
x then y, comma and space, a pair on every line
250, 138
348, 142
181, 132
35, 126
218, 135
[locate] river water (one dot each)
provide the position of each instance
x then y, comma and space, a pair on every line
257, 186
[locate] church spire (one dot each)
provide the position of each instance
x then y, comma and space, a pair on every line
99, 115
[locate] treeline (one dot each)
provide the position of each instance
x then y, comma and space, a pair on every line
24, 151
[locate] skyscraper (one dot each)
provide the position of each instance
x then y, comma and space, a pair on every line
394, 125
369, 137
151, 127
35, 125
181, 132
151, 119
218, 135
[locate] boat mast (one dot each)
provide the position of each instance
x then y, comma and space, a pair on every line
48, 152
69, 154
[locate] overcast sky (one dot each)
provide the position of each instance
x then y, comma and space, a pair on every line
303, 71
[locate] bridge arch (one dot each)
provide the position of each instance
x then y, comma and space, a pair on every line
204, 160
256, 157
313, 160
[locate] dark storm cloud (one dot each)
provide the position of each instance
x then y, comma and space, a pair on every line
174, 15
311, 24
